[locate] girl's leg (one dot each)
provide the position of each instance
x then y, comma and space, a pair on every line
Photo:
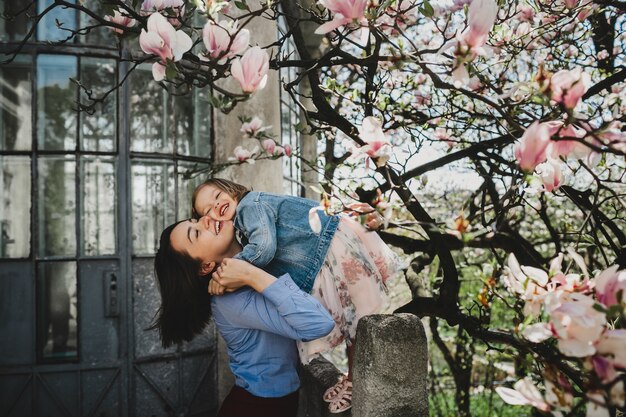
350, 349
342, 401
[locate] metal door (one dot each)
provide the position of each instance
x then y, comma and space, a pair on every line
83, 198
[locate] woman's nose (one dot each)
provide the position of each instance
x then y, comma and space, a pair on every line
205, 221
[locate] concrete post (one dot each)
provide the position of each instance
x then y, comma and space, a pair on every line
391, 367
264, 175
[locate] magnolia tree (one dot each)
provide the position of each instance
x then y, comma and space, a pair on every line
525, 98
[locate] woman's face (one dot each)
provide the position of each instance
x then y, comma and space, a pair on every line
205, 239
215, 203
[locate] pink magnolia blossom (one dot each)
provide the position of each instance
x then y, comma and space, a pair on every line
565, 147
559, 393
570, 4
460, 76
164, 41
528, 282
377, 144
596, 406
223, 40
522, 29
526, 12
278, 150
570, 282
618, 394
587, 11
269, 146
567, 87
578, 325
345, 13
314, 217
608, 284
537, 332
251, 69
158, 71
314, 220
443, 134
550, 174
174, 9
121, 19
613, 136
530, 151
604, 368
288, 149
254, 126
244, 155
524, 393
481, 17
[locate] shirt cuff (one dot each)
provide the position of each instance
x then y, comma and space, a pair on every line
283, 287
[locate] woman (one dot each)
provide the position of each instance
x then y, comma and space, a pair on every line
260, 322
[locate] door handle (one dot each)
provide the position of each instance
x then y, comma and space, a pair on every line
111, 299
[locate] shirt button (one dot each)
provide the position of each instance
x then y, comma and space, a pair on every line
291, 287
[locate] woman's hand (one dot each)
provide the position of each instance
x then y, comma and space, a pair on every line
215, 288
233, 274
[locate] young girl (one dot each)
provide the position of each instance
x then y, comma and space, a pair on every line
343, 266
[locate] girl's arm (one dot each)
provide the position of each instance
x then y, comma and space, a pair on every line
260, 230
276, 305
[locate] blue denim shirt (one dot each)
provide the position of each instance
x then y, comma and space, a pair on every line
260, 329
279, 237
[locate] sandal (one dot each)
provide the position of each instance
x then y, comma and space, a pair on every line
331, 393
343, 401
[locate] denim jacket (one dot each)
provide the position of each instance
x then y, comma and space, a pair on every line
279, 237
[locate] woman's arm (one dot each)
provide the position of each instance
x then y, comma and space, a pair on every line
276, 305
233, 274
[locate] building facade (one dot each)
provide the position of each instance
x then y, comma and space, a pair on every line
83, 199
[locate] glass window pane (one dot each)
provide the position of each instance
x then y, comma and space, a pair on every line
153, 204
15, 104
17, 23
99, 35
147, 113
47, 29
56, 96
57, 310
98, 131
188, 180
15, 204
190, 123
99, 220
57, 206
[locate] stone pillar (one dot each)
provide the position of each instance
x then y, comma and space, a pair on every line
391, 367
263, 175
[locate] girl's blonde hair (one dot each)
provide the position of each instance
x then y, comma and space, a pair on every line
236, 191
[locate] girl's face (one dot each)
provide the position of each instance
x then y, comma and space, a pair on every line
205, 239
215, 203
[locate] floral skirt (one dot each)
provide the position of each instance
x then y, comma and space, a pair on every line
350, 284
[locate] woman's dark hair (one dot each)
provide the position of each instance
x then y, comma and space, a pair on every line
185, 303
236, 191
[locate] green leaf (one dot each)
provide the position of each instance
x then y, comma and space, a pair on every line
171, 71
427, 10
600, 308
215, 101
242, 5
